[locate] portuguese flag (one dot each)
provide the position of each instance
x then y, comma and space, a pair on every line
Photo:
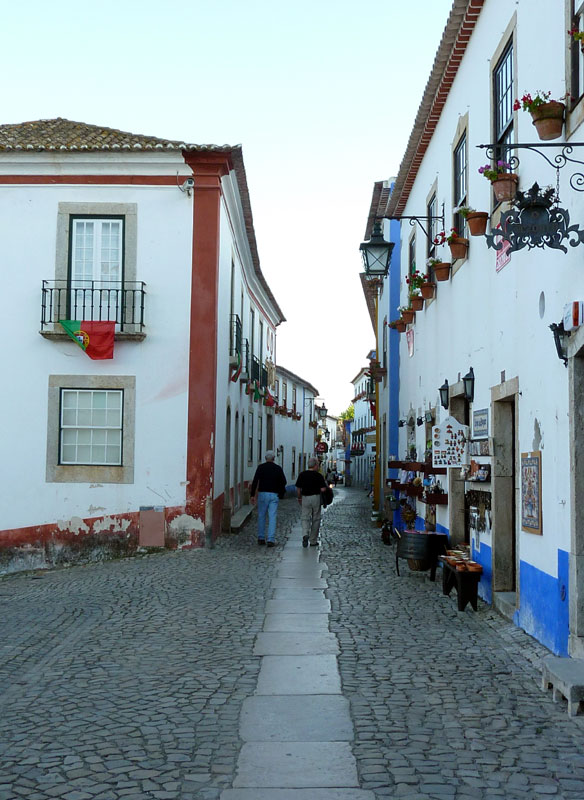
95, 338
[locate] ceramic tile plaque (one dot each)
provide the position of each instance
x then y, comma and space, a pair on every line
531, 520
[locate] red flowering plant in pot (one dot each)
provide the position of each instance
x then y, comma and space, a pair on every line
475, 220
504, 183
414, 281
547, 114
458, 244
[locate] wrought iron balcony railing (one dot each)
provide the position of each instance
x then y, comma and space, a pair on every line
245, 357
117, 301
264, 380
236, 336
255, 368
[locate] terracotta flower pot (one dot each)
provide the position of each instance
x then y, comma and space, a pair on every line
548, 120
427, 290
458, 247
408, 316
400, 326
417, 302
442, 271
505, 186
477, 222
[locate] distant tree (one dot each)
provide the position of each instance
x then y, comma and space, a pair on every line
349, 412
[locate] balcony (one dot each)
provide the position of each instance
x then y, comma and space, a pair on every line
97, 301
264, 379
255, 369
235, 338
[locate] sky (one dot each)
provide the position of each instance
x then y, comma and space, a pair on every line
321, 94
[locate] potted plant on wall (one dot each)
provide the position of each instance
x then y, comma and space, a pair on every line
441, 268
547, 114
428, 288
458, 244
475, 220
578, 36
504, 183
414, 281
407, 314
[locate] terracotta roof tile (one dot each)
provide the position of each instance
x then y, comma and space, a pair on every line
64, 134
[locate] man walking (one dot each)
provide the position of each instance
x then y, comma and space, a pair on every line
309, 486
268, 486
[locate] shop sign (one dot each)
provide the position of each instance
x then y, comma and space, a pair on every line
321, 447
503, 256
480, 423
449, 444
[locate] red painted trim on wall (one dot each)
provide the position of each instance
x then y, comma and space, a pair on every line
138, 180
208, 169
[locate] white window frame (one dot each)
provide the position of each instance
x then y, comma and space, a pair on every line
80, 421
91, 473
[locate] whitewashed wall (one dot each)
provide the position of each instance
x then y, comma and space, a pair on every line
28, 220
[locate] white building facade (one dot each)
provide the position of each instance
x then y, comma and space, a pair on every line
295, 422
150, 446
518, 497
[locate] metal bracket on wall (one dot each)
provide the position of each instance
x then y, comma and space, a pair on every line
557, 162
416, 219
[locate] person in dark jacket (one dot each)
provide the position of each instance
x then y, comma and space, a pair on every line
267, 488
309, 486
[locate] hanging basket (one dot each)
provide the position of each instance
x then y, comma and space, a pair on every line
427, 290
477, 222
458, 247
505, 186
549, 120
442, 271
417, 302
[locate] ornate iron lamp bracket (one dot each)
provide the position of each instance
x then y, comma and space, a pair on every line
557, 162
415, 219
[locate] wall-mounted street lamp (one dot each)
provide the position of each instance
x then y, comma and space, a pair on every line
469, 381
429, 415
376, 253
444, 398
560, 336
420, 421
322, 411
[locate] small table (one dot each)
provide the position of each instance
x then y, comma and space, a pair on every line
466, 583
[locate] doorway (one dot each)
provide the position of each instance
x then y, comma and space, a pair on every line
226, 521
505, 490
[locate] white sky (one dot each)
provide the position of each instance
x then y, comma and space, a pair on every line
322, 95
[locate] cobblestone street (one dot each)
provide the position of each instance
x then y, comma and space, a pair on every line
126, 679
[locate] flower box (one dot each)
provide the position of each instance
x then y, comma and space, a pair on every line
549, 120
417, 302
505, 186
458, 247
408, 315
427, 290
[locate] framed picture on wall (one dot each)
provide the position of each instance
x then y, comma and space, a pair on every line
531, 520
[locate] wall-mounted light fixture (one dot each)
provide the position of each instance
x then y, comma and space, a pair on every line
560, 336
420, 421
429, 415
376, 253
469, 381
401, 423
444, 398
322, 411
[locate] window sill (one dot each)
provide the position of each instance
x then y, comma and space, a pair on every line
121, 336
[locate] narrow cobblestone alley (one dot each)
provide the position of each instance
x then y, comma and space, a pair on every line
128, 679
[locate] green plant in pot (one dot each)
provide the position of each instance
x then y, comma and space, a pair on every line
476, 220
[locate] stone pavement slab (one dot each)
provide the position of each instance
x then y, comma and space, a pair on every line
303, 605
296, 765
285, 643
297, 794
299, 675
296, 718
311, 583
296, 622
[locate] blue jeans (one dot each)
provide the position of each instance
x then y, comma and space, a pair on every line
267, 504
